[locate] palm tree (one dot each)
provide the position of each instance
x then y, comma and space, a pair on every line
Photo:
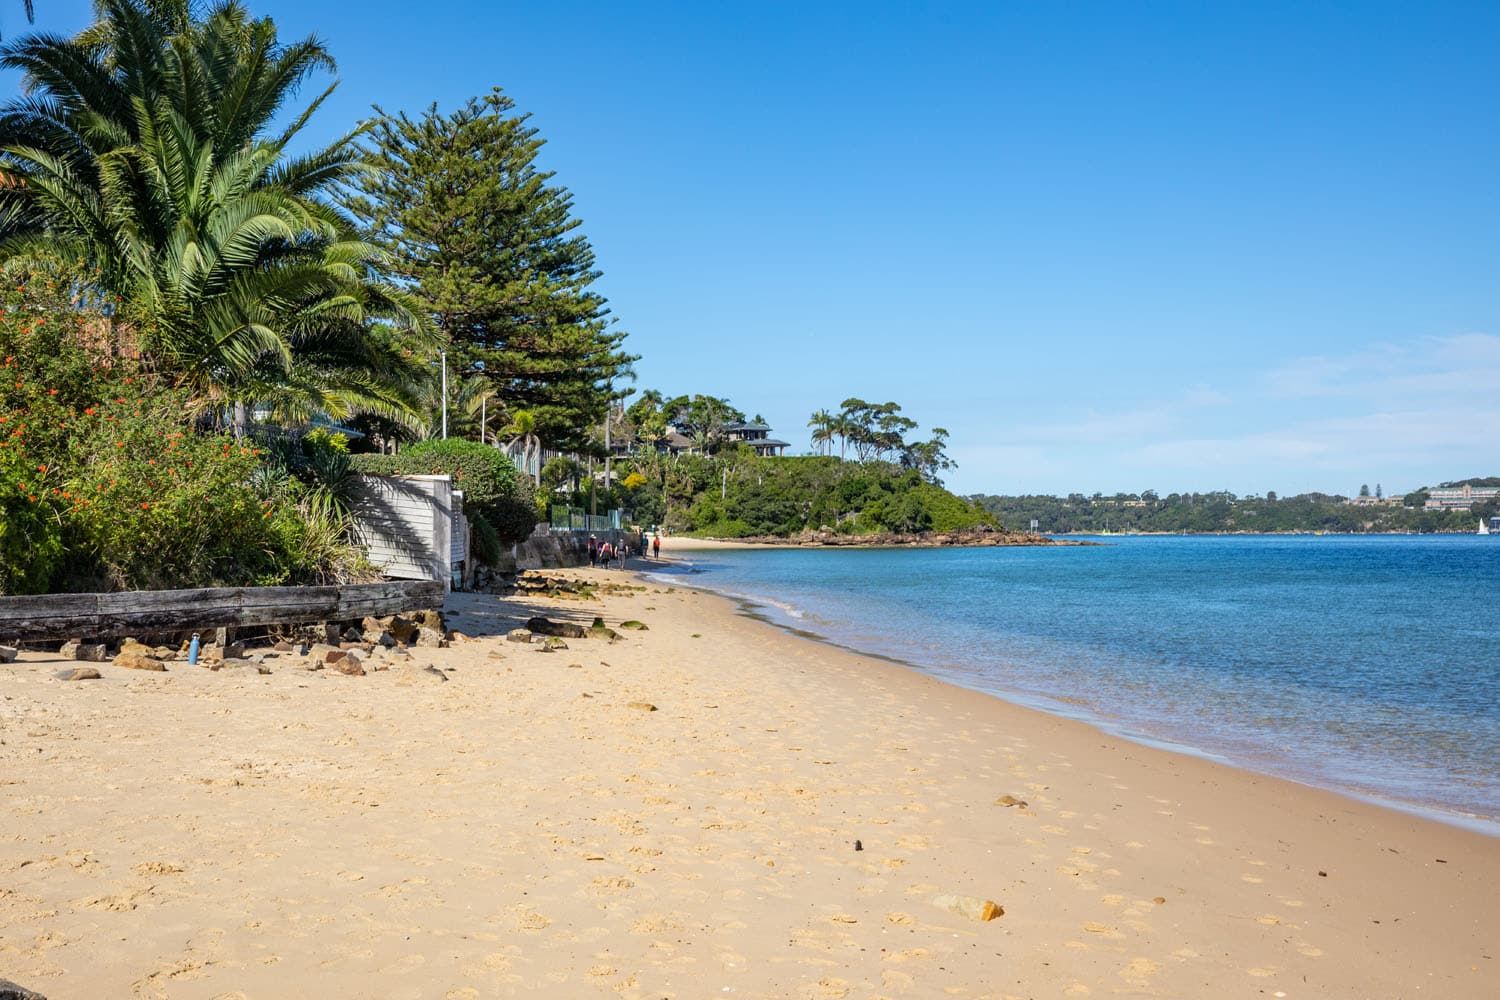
523, 427
822, 423
842, 428
144, 151
478, 401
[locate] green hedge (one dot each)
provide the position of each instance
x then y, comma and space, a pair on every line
491, 484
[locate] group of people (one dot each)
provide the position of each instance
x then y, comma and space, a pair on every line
601, 554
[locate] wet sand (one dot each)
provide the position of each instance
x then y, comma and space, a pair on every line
529, 827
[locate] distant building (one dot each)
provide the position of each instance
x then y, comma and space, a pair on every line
1459, 497
1391, 501
757, 436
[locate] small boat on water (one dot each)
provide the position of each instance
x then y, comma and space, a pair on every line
1484, 526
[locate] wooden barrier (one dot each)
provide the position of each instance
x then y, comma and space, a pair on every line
103, 616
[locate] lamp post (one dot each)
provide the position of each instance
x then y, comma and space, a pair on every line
478, 368
444, 356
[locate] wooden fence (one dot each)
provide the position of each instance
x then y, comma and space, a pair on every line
103, 616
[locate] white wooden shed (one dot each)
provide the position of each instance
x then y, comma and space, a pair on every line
407, 526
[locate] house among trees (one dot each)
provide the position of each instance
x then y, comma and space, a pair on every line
751, 433
757, 436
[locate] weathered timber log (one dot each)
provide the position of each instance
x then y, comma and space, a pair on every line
64, 616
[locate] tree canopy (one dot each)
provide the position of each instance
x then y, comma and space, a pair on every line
489, 248
144, 152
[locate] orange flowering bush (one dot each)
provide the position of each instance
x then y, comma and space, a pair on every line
104, 482
41, 369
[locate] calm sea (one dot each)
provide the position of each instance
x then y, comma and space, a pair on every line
1368, 664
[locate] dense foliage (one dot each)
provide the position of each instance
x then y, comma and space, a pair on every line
1215, 512
492, 252
146, 152
104, 482
190, 275
878, 432
492, 487
737, 493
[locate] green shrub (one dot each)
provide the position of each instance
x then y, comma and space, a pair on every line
484, 540
31, 545
105, 485
490, 482
152, 505
947, 512
726, 529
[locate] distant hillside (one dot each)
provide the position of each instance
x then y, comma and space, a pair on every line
1225, 512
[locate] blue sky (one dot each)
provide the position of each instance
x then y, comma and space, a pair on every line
1108, 246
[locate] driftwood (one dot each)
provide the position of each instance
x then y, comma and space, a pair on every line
101, 616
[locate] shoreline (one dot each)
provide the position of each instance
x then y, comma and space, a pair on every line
674, 814
1051, 706
769, 612
692, 543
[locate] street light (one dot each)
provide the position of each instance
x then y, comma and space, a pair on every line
477, 367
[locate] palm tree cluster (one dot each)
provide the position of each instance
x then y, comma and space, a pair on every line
877, 433
144, 151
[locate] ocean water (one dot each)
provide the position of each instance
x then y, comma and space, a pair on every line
1366, 664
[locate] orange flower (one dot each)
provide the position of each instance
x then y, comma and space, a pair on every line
52, 392
145, 506
88, 410
151, 462
42, 469
119, 444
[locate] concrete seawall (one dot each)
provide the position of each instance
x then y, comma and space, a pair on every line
546, 549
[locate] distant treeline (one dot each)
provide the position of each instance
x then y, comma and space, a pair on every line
1215, 512
735, 493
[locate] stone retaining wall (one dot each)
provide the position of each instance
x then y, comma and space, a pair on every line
546, 549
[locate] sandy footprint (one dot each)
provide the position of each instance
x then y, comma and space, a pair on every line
1139, 971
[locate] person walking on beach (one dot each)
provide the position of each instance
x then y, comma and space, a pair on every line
604, 555
656, 547
593, 550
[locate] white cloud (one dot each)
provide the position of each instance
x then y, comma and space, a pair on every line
1414, 412
1094, 427
1461, 363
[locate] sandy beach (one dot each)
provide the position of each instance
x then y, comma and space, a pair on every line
709, 807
